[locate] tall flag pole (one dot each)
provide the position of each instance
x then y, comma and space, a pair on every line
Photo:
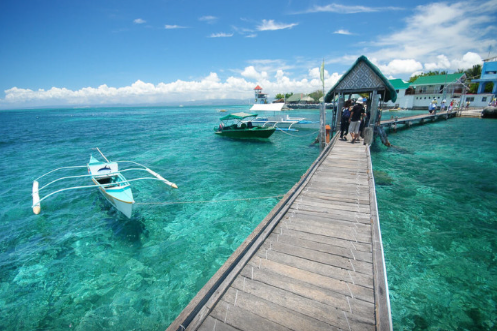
322, 135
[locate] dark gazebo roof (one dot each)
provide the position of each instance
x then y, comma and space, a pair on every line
362, 77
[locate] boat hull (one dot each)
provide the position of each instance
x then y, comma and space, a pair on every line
256, 132
125, 207
121, 198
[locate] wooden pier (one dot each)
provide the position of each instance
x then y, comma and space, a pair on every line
396, 123
419, 119
314, 263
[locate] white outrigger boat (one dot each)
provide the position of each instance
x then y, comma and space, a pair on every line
280, 123
107, 178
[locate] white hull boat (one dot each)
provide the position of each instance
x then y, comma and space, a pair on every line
107, 177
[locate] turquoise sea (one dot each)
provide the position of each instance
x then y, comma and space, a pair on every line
437, 200
81, 265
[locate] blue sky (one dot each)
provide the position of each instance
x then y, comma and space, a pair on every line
76, 53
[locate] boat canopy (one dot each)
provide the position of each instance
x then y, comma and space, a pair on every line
237, 116
267, 107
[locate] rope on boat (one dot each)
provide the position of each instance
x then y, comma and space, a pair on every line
206, 201
299, 135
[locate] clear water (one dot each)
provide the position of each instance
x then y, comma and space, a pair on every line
81, 264
437, 199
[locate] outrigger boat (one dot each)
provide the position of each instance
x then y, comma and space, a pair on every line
281, 123
237, 126
107, 178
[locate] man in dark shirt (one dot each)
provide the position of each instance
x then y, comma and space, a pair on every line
355, 120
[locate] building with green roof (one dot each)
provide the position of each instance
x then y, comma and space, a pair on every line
426, 89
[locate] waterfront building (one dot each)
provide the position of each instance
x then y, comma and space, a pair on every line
488, 75
450, 87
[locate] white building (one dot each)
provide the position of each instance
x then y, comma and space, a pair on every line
420, 93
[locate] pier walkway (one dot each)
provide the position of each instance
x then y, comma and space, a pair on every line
409, 120
314, 263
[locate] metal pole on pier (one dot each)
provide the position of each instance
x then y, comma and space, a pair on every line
322, 112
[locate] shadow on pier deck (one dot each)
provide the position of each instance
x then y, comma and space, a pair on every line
314, 263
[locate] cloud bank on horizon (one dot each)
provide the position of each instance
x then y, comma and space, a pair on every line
436, 36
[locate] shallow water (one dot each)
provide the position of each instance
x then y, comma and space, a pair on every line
438, 217
82, 265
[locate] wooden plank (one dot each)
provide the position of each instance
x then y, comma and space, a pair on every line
348, 252
345, 204
359, 224
356, 232
338, 215
357, 247
291, 319
311, 272
332, 208
311, 291
289, 300
243, 319
212, 324
320, 257
334, 196
343, 274
343, 215
340, 234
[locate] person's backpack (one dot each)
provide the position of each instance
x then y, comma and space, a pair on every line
346, 114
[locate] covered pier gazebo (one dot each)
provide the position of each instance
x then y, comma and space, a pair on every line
363, 77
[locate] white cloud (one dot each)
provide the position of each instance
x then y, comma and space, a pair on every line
271, 25
209, 87
342, 9
208, 19
341, 31
170, 27
251, 72
437, 29
467, 61
442, 63
398, 66
139, 21
221, 35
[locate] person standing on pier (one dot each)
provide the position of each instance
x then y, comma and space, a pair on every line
355, 120
442, 106
344, 124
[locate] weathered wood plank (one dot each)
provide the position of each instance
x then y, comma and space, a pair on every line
280, 263
329, 223
349, 252
341, 234
320, 257
325, 196
346, 205
318, 238
243, 319
337, 215
346, 303
212, 324
344, 274
286, 299
292, 319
